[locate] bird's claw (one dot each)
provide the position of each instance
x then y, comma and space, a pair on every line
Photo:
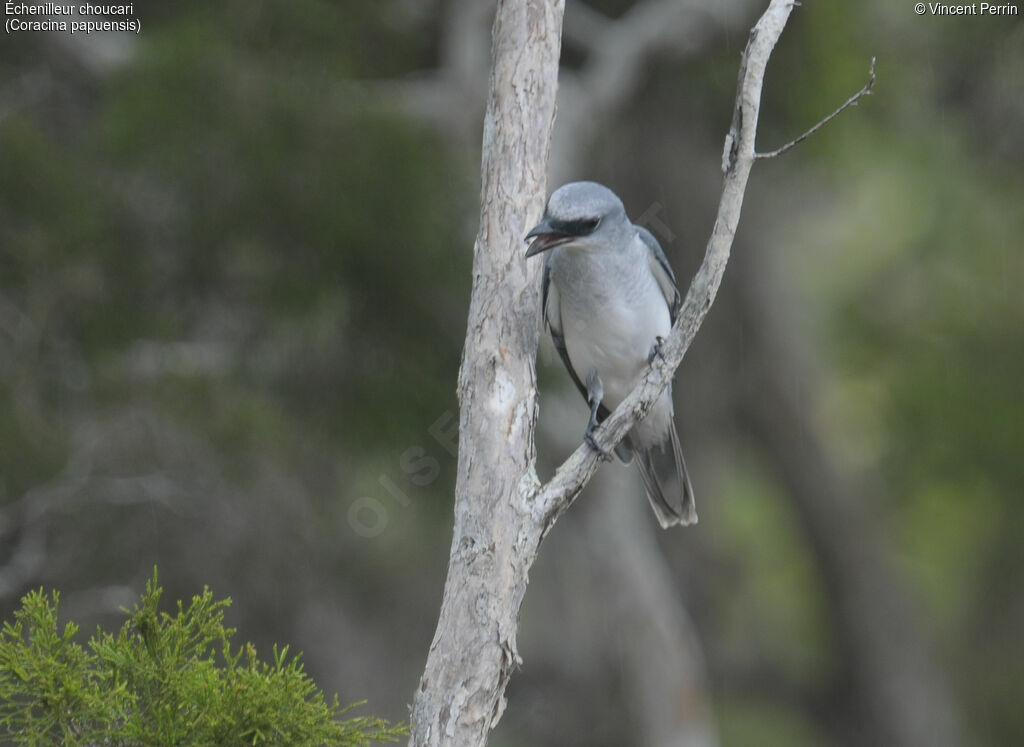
592, 443
656, 350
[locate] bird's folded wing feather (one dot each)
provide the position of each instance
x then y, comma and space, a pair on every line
553, 317
662, 272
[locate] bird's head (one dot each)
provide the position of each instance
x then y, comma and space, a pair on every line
576, 214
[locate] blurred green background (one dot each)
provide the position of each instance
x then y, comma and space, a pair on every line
234, 272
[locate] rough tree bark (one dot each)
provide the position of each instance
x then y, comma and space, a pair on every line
502, 513
461, 694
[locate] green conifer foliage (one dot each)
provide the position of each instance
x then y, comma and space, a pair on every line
168, 679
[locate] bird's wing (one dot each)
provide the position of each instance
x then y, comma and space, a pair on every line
662, 272
680, 510
553, 317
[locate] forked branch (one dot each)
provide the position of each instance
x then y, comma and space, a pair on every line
557, 494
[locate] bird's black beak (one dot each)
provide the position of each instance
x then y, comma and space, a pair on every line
545, 237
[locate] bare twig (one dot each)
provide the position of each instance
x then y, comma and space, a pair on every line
852, 101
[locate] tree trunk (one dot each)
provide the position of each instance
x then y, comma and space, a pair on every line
461, 693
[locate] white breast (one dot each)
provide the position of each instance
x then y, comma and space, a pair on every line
615, 339
611, 312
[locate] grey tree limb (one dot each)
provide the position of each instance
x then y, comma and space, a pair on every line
502, 513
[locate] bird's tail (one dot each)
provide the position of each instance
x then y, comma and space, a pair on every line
681, 509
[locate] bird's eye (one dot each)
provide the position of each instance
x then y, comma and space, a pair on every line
589, 226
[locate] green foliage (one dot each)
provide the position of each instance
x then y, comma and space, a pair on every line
169, 679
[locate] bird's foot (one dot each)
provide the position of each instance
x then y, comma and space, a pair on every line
588, 437
656, 350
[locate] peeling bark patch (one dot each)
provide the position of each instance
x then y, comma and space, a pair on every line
499, 709
509, 658
520, 417
504, 391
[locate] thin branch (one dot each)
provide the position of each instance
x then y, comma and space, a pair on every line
852, 101
554, 498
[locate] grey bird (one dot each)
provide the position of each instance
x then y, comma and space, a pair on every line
609, 300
